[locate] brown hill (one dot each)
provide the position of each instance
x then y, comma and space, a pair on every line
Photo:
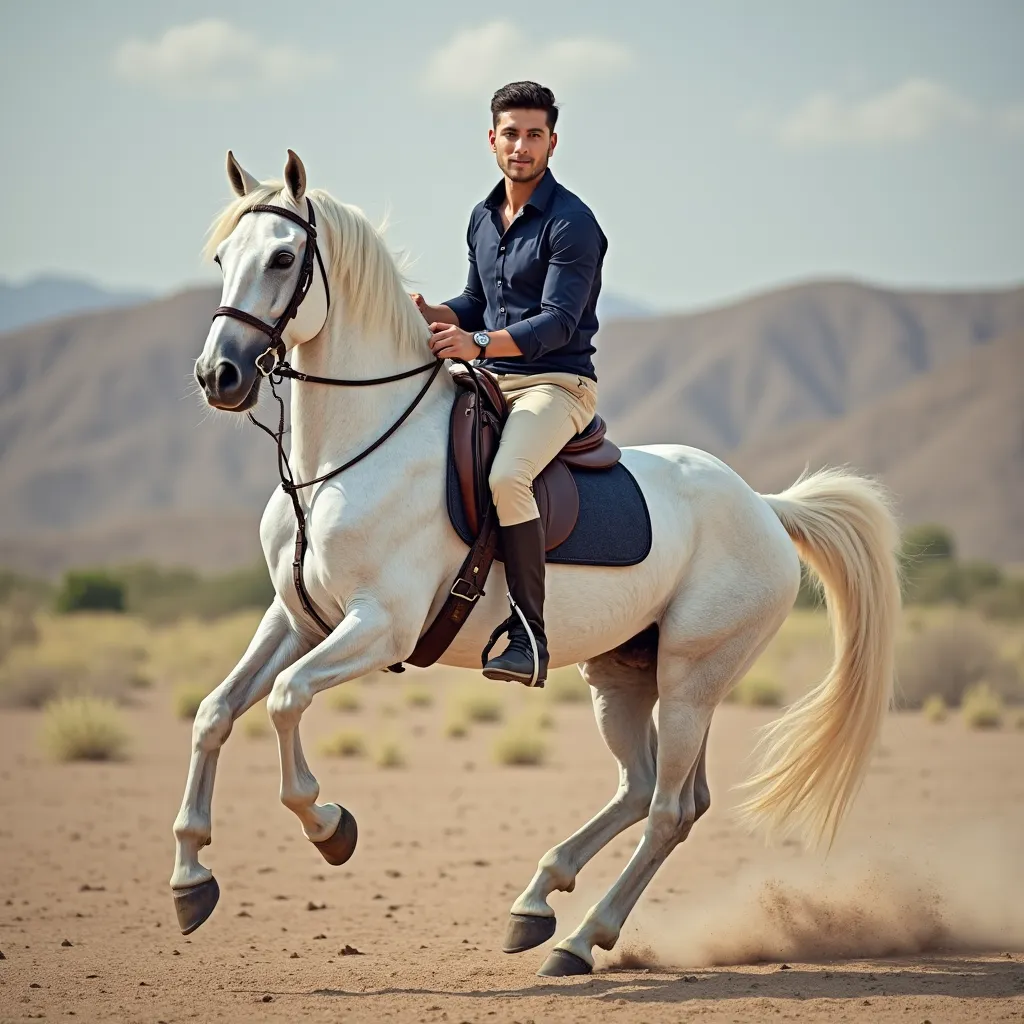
106, 454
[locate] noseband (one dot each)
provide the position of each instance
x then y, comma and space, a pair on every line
275, 353
271, 363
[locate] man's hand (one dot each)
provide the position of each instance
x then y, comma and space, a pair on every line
451, 342
432, 314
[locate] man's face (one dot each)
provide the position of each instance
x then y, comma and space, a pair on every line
522, 143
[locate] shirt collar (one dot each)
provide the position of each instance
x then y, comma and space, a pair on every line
539, 200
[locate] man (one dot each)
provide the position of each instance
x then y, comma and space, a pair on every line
527, 314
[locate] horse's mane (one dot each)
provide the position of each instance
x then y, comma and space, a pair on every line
362, 271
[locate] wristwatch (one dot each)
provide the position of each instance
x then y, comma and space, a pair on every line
482, 339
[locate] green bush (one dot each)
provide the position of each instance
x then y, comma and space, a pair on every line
90, 590
947, 661
928, 541
164, 595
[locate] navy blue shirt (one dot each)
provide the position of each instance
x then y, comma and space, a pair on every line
539, 280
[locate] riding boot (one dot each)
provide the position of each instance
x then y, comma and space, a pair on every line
525, 660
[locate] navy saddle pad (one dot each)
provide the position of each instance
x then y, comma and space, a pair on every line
613, 527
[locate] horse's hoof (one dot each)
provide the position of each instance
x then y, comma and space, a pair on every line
526, 931
563, 964
195, 904
337, 849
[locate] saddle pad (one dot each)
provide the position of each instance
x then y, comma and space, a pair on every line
613, 528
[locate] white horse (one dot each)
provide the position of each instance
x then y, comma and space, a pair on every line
721, 577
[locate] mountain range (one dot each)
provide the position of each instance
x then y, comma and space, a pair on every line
106, 454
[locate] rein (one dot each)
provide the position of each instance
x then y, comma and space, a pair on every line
288, 484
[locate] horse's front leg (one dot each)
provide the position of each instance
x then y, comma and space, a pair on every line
365, 640
274, 646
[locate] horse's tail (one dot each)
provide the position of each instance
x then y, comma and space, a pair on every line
814, 757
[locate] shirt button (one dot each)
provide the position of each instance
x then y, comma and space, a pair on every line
502, 310
502, 249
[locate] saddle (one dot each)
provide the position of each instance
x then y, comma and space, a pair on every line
477, 419
615, 512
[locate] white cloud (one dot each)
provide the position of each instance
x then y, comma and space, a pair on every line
916, 109
476, 58
213, 58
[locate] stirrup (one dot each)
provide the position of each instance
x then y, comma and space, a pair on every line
500, 630
504, 628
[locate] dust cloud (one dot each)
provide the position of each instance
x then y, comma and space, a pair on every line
963, 895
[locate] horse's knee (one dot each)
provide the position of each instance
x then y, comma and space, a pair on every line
287, 701
212, 724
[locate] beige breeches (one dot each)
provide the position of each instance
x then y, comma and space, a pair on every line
547, 410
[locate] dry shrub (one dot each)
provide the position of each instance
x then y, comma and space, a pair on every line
544, 720
567, 686
345, 698
186, 698
346, 743
480, 706
758, 692
33, 676
456, 727
84, 729
982, 707
416, 695
1018, 721
389, 754
947, 660
519, 744
934, 708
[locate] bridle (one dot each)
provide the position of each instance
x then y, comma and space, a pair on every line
275, 353
272, 364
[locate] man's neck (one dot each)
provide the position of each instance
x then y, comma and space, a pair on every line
517, 193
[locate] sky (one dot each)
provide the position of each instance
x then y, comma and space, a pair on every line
726, 147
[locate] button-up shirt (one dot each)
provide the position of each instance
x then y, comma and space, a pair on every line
539, 280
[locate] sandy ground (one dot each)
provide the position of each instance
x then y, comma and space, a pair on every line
929, 872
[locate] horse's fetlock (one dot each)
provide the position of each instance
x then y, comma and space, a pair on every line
556, 872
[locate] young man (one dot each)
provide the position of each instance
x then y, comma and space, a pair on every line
527, 314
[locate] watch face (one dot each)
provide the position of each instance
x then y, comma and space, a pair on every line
481, 339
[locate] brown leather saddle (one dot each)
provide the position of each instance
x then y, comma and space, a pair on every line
477, 419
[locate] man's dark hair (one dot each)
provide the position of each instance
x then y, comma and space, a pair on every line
524, 96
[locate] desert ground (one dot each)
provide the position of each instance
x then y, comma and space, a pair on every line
916, 915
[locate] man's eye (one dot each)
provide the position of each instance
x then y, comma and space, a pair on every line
283, 259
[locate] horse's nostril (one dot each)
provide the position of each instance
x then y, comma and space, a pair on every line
227, 376
200, 380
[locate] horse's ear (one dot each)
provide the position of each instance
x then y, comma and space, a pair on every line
242, 182
295, 177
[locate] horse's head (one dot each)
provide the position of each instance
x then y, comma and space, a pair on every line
268, 264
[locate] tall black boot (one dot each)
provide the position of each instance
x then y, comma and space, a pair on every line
525, 660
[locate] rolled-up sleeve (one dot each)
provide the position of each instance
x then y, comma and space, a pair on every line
576, 251
470, 305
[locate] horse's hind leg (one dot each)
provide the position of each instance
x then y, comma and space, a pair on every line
273, 647
623, 699
690, 687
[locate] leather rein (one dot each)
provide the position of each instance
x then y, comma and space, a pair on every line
272, 365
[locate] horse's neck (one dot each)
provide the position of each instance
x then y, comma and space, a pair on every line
332, 424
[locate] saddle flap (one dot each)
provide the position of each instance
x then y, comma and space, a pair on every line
558, 501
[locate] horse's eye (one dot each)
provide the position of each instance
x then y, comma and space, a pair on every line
283, 259
216, 259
